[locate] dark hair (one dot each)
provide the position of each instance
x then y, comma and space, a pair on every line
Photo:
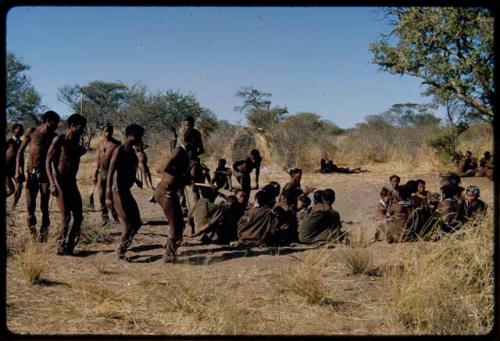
189, 119
208, 193
394, 177
15, 126
411, 186
305, 200
255, 152
134, 129
405, 192
487, 154
468, 152
329, 195
50, 115
420, 181
189, 136
108, 126
222, 161
449, 191
272, 188
384, 192
318, 196
288, 195
293, 171
76, 120
264, 198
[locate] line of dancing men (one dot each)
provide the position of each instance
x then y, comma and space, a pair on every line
276, 217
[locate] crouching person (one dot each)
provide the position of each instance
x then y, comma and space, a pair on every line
322, 224
63, 161
120, 178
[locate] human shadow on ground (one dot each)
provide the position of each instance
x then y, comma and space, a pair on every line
143, 258
146, 247
87, 253
49, 282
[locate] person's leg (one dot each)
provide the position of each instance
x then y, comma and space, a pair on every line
63, 199
194, 170
9, 186
169, 202
76, 211
17, 194
32, 187
101, 192
128, 212
245, 187
44, 207
148, 177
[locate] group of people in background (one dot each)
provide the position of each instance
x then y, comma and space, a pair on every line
468, 165
409, 212
220, 213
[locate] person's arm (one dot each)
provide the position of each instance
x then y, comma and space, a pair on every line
201, 148
98, 166
20, 156
53, 150
110, 175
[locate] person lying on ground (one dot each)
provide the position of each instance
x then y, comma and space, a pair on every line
330, 167
323, 223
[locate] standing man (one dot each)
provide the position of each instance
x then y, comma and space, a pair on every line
120, 178
175, 177
63, 161
195, 168
243, 168
39, 140
105, 149
12, 146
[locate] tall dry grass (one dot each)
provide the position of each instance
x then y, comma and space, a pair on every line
447, 288
32, 261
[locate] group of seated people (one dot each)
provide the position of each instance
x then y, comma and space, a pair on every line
409, 212
277, 217
468, 165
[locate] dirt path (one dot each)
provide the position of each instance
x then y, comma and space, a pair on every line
103, 295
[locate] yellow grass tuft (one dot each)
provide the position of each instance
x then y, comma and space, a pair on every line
33, 261
448, 287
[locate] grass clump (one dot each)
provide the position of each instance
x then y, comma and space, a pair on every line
33, 260
448, 288
92, 234
357, 258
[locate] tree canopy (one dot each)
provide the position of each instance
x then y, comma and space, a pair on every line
450, 49
22, 100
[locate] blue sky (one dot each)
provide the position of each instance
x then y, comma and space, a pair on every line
310, 59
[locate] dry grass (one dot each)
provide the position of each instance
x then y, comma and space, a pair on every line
33, 260
357, 259
92, 234
447, 288
308, 279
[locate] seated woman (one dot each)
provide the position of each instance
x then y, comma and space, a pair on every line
205, 215
257, 226
421, 197
450, 209
286, 229
322, 224
473, 206
486, 166
468, 165
397, 217
293, 186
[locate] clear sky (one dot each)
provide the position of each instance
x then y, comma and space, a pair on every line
310, 59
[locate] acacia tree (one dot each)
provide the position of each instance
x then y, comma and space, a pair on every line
258, 108
22, 100
99, 102
450, 49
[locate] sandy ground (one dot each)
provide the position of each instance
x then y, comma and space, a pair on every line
133, 291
